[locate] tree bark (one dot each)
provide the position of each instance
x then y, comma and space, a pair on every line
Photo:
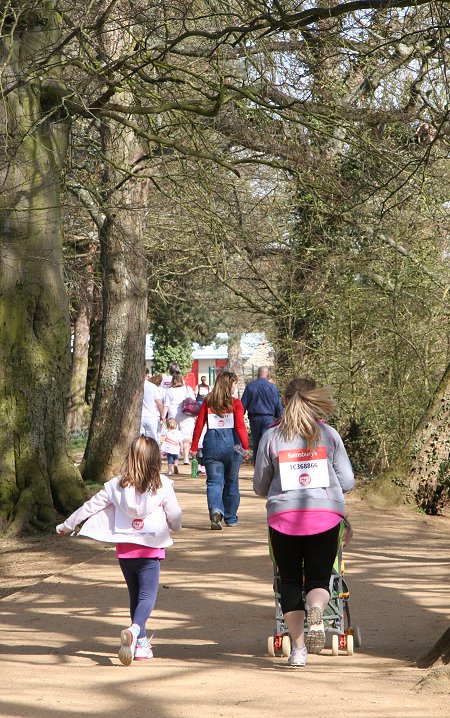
439, 654
118, 397
421, 474
235, 360
37, 475
80, 357
428, 475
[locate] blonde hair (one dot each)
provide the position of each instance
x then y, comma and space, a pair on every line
142, 466
305, 404
171, 423
220, 399
177, 379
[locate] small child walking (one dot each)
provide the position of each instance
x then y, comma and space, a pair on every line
135, 510
171, 445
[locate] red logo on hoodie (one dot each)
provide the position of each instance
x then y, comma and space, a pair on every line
138, 524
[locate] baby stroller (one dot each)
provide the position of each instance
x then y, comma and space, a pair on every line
340, 635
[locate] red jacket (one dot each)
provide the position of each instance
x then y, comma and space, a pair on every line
239, 425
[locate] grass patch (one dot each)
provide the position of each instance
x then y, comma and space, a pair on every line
78, 440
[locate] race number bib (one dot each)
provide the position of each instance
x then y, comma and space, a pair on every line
304, 468
170, 446
220, 422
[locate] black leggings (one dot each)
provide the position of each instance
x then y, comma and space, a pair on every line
304, 563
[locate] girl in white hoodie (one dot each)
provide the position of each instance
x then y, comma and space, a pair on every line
135, 511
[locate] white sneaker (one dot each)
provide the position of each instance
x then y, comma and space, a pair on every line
128, 641
298, 657
315, 638
143, 650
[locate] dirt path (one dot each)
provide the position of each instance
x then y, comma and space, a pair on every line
64, 604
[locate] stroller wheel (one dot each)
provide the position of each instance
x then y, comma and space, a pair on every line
286, 646
271, 646
335, 644
349, 645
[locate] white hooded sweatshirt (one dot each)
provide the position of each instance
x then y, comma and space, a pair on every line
123, 515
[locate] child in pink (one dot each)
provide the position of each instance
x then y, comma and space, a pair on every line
135, 510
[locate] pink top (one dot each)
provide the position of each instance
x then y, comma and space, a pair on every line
304, 522
134, 550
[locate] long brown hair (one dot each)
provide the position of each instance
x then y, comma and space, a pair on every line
305, 403
220, 399
177, 379
142, 466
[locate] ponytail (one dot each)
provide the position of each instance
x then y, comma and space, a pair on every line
305, 405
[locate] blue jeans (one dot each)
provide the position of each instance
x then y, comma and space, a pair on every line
222, 464
258, 426
142, 579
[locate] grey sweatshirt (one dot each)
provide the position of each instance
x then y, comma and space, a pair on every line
267, 480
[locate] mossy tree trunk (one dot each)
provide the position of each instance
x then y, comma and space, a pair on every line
80, 355
428, 469
118, 396
36, 474
421, 474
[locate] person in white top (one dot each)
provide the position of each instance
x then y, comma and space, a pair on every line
152, 411
166, 381
202, 389
135, 510
173, 400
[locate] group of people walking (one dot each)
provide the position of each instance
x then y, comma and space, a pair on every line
162, 405
301, 466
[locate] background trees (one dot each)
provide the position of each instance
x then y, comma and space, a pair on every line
289, 154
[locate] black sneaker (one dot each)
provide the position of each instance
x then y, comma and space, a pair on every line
175, 469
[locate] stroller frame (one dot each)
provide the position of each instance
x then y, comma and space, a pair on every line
340, 635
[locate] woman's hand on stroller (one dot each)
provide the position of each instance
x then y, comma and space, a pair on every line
348, 533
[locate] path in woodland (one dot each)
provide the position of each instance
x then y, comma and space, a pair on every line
64, 603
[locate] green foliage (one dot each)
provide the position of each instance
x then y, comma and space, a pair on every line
78, 440
166, 349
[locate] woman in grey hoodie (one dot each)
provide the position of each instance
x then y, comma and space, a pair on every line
136, 511
303, 469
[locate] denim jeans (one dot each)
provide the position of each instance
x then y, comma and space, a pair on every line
142, 579
222, 464
259, 425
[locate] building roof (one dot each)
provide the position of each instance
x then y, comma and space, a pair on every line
218, 349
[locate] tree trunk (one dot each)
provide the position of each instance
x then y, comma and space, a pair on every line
37, 475
421, 474
428, 475
439, 653
80, 357
118, 396
95, 347
235, 360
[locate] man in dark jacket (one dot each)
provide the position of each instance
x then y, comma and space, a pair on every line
262, 403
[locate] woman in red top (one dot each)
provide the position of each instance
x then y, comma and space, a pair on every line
225, 428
